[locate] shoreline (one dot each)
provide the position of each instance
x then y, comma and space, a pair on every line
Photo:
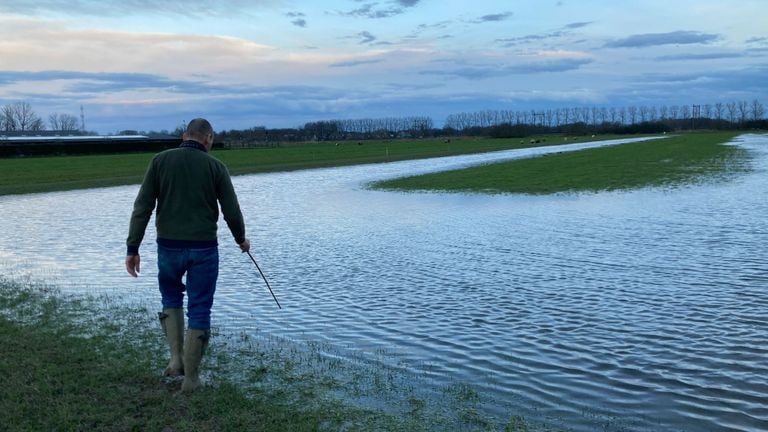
66, 352
63, 173
674, 161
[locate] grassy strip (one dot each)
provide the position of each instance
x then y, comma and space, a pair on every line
72, 364
45, 174
669, 162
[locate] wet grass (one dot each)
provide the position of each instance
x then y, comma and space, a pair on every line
57, 173
72, 363
669, 162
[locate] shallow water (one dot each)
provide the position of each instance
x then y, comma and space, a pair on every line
642, 310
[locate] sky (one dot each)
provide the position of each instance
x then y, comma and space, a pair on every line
152, 65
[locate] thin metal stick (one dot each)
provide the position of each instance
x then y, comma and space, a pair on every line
265, 280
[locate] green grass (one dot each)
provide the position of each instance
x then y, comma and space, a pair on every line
56, 173
74, 363
668, 162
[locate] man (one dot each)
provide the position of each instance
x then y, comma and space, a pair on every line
187, 184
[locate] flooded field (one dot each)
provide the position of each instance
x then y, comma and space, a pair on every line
642, 310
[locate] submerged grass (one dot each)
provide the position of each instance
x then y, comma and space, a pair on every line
668, 162
73, 363
58, 173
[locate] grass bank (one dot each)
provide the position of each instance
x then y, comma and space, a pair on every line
92, 363
668, 162
57, 173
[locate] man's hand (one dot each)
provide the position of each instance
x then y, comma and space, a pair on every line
133, 265
245, 246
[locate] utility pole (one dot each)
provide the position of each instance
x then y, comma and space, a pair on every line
82, 119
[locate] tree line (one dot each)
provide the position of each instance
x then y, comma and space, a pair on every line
631, 119
510, 123
335, 130
20, 117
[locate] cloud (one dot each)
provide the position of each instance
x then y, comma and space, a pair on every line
703, 56
99, 8
693, 87
48, 45
494, 17
366, 37
750, 77
299, 21
368, 11
352, 63
577, 25
240, 107
656, 39
421, 28
97, 82
478, 72
377, 11
509, 42
559, 33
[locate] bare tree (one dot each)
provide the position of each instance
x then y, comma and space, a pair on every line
732, 108
674, 110
652, 113
23, 117
663, 112
37, 124
685, 112
595, 113
743, 111
632, 110
644, 113
623, 115
63, 122
8, 119
758, 111
603, 115
549, 116
584, 114
575, 114
719, 111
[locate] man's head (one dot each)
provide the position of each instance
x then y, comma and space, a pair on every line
200, 130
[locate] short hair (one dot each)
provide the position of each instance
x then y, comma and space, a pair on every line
199, 127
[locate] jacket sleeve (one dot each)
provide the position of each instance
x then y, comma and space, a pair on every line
230, 207
142, 210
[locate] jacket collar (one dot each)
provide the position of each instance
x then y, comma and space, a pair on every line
194, 144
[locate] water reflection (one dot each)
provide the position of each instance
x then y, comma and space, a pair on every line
638, 310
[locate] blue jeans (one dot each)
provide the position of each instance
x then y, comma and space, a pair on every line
202, 269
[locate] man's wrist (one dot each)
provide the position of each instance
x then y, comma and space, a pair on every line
132, 250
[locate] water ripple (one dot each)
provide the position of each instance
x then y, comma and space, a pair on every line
638, 310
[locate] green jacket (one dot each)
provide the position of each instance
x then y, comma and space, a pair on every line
187, 184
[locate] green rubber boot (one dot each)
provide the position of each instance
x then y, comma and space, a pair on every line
172, 321
194, 347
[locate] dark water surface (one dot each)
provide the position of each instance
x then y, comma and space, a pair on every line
642, 310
